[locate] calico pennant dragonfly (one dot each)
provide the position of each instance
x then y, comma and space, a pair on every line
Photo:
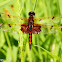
49, 23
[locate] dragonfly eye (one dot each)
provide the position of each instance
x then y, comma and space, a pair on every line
31, 14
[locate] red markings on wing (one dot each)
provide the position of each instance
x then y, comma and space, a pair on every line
36, 29
1, 13
24, 28
7, 13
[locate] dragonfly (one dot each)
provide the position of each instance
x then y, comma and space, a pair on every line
34, 28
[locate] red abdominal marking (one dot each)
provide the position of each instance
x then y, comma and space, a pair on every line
30, 32
30, 43
30, 36
30, 39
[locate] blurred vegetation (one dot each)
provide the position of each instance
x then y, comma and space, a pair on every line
14, 47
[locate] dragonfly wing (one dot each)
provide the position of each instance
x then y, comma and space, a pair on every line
11, 23
50, 20
50, 24
10, 27
9, 18
46, 29
24, 28
36, 29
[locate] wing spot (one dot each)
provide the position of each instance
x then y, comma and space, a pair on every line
12, 6
51, 27
9, 25
53, 17
8, 15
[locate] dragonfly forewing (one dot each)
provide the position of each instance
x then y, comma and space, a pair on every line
50, 20
9, 18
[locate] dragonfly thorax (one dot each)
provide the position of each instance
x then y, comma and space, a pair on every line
30, 26
31, 20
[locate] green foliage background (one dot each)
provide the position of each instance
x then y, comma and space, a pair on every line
14, 47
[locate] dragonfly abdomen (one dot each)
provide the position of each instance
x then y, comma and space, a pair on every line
30, 35
30, 38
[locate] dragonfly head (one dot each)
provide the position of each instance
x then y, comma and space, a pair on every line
31, 14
